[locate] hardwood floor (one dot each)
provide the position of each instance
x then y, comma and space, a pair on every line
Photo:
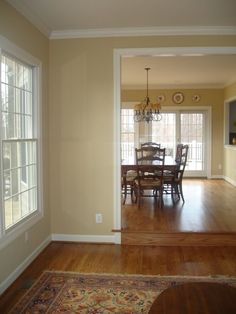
208, 217
108, 258
209, 207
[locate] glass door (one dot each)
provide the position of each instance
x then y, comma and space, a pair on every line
187, 127
178, 126
164, 132
193, 133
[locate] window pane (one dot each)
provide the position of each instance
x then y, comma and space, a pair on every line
7, 184
15, 181
14, 157
16, 208
164, 132
19, 148
6, 156
8, 212
9, 71
33, 199
192, 133
127, 135
24, 203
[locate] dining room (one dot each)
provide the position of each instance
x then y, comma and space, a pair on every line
191, 112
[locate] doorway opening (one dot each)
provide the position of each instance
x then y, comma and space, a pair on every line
203, 155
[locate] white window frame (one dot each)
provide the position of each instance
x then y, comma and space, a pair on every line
128, 106
9, 235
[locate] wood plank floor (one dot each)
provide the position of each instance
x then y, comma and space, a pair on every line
122, 259
210, 206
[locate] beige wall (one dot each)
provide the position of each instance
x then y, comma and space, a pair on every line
81, 136
16, 29
230, 92
79, 117
230, 151
82, 126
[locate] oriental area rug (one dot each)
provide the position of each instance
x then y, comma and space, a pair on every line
67, 292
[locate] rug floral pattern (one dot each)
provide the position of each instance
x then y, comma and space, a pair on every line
65, 292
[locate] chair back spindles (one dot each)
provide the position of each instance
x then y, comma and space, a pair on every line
148, 155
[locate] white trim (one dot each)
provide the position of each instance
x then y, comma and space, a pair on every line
21, 54
116, 132
233, 182
177, 51
22, 226
117, 55
232, 147
16, 273
226, 122
216, 176
84, 238
143, 31
118, 32
6, 236
30, 16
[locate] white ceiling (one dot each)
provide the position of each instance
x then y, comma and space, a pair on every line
57, 15
94, 17
207, 71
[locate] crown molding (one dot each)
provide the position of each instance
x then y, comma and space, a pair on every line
119, 32
30, 16
144, 31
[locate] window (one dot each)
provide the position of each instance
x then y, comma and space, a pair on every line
19, 142
127, 135
193, 134
188, 126
164, 132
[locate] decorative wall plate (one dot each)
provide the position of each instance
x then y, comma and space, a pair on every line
160, 98
178, 98
196, 98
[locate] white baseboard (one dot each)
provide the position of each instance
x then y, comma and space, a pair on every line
216, 176
86, 238
224, 178
230, 180
16, 273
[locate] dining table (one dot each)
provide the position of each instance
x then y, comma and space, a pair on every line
169, 164
128, 171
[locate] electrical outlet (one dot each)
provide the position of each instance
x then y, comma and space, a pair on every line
98, 218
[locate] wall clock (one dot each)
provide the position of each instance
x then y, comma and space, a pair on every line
178, 98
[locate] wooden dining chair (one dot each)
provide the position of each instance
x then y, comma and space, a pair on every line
147, 155
173, 180
127, 183
149, 181
178, 153
152, 144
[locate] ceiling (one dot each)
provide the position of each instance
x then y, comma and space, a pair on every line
94, 18
205, 71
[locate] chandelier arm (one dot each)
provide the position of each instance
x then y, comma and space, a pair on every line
147, 113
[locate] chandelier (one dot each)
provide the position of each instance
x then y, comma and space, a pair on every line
147, 111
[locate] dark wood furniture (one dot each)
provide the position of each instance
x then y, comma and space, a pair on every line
127, 182
173, 179
128, 174
152, 144
150, 177
196, 298
147, 155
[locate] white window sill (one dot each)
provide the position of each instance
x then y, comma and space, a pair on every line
22, 227
233, 147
